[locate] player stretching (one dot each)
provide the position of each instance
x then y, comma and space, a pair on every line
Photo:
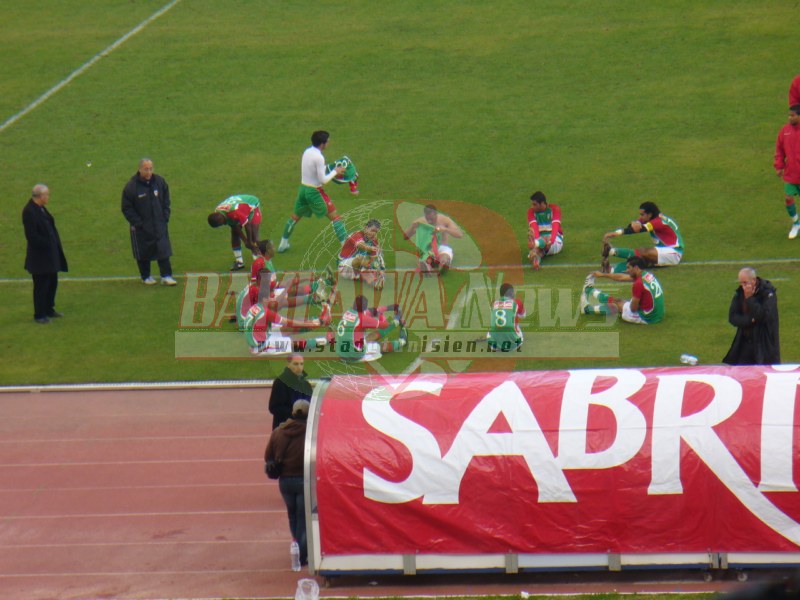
263, 288
361, 256
646, 305
504, 330
243, 214
668, 248
545, 235
787, 165
352, 336
311, 198
430, 235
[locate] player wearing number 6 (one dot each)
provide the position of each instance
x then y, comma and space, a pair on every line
646, 306
504, 331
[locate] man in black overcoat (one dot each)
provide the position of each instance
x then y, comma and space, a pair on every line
45, 255
146, 206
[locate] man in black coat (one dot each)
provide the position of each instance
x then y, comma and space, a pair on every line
45, 256
754, 313
288, 387
146, 206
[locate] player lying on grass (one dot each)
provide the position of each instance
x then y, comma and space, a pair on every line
545, 235
268, 332
430, 234
263, 286
243, 215
668, 249
646, 305
361, 256
505, 333
361, 326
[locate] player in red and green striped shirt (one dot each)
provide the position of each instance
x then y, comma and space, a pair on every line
646, 305
668, 249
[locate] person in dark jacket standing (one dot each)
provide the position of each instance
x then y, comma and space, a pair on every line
754, 313
288, 387
146, 206
287, 446
45, 256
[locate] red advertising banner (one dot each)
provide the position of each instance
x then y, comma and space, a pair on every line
667, 460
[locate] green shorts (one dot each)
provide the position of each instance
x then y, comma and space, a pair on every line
311, 201
791, 189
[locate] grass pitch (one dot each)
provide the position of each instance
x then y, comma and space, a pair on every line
602, 105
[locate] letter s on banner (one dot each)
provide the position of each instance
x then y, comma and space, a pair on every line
422, 445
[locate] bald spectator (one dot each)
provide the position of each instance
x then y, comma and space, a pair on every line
754, 313
146, 206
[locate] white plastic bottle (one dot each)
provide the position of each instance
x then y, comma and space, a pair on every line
688, 359
294, 552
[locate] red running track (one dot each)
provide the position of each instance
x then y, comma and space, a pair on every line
161, 494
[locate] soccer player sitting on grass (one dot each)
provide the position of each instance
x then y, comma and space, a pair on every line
646, 305
545, 235
361, 327
361, 256
668, 248
243, 215
504, 330
430, 234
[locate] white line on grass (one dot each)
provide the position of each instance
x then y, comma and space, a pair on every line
688, 263
64, 82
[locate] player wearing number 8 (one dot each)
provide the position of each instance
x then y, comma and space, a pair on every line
646, 305
504, 330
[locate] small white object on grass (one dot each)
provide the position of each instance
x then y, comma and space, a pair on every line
89, 164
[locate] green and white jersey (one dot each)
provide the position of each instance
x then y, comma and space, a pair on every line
504, 330
651, 297
346, 336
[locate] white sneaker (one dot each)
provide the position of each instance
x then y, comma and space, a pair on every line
284, 245
584, 302
168, 280
149, 281
589, 281
794, 230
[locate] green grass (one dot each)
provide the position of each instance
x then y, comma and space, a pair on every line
600, 104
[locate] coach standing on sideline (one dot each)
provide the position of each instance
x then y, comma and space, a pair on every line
145, 204
45, 256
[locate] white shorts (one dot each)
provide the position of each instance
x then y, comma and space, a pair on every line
631, 317
346, 269
556, 246
668, 257
447, 251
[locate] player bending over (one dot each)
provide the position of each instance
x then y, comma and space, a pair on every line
646, 306
243, 215
668, 248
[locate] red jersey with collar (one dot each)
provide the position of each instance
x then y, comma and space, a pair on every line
787, 153
546, 222
350, 247
638, 290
